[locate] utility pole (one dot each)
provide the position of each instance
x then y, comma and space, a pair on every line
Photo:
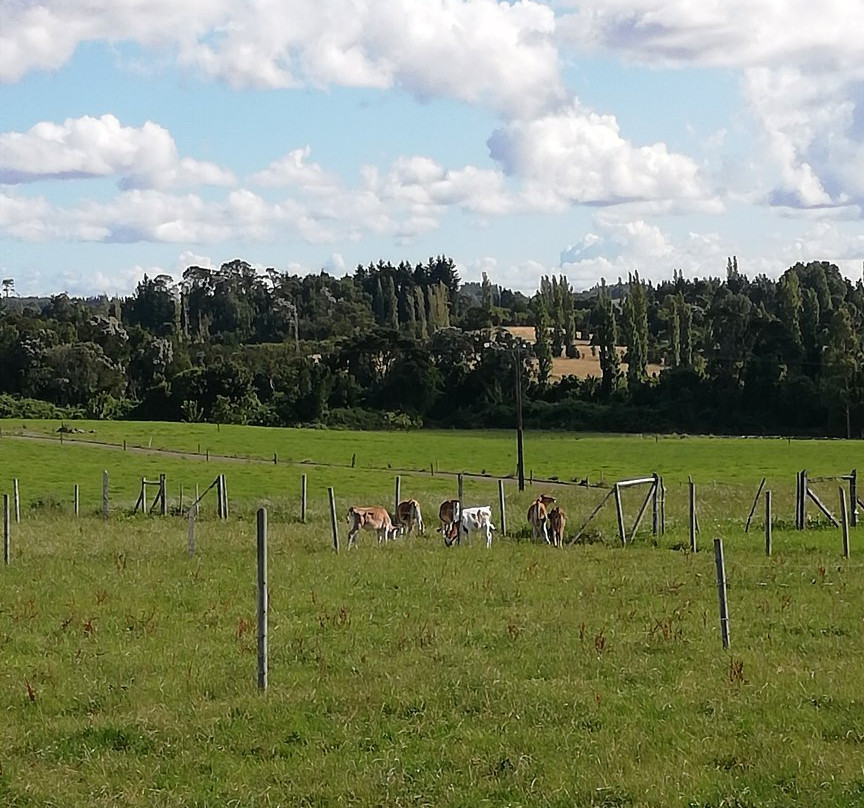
520, 455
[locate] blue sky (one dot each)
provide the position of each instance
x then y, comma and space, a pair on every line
522, 139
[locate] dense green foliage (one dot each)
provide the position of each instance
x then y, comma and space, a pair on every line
402, 346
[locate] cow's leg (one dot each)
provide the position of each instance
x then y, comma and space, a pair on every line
546, 531
352, 536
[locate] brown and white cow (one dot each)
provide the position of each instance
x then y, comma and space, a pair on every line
408, 516
537, 516
448, 514
557, 522
477, 518
365, 518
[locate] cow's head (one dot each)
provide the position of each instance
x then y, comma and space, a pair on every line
546, 499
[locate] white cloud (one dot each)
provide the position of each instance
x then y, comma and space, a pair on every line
479, 51
578, 156
293, 170
144, 157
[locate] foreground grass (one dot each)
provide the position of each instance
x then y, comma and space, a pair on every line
411, 674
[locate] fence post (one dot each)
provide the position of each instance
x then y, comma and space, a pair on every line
333, 523
75, 499
655, 502
844, 522
224, 497
17, 499
853, 498
220, 504
721, 591
190, 531
163, 493
767, 523
7, 554
501, 506
262, 599
459, 520
398, 495
303, 499
105, 499
621, 531
692, 486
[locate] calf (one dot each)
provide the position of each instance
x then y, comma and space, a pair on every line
537, 515
377, 519
557, 522
408, 516
477, 518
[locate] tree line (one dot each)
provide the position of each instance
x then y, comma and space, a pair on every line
411, 345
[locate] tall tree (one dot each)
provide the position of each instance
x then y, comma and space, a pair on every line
635, 328
605, 338
542, 345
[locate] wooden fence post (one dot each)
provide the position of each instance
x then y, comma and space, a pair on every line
17, 499
75, 499
163, 494
303, 498
501, 507
655, 505
398, 495
220, 503
7, 552
262, 599
844, 522
105, 495
618, 508
190, 531
767, 523
224, 497
333, 523
721, 591
853, 498
459, 520
692, 487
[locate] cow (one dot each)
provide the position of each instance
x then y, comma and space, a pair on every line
476, 518
537, 516
365, 518
408, 516
448, 513
557, 522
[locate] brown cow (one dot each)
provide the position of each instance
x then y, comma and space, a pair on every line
364, 518
408, 516
448, 514
537, 515
557, 522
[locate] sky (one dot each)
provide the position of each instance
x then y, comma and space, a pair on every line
587, 139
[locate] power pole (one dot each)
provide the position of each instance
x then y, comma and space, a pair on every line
520, 454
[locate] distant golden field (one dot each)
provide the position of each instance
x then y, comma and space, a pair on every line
586, 365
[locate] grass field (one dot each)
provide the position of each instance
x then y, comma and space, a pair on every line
414, 674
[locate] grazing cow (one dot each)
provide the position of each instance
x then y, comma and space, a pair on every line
537, 515
408, 516
557, 522
377, 519
476, 518
448, 513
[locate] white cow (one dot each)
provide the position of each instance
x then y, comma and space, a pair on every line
477, 518
377, 519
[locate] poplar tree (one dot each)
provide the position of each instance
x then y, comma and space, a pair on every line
605, 338
635, 327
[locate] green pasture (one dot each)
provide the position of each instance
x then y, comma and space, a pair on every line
567, 456
414, 674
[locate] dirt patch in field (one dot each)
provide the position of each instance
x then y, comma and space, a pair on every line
583, 367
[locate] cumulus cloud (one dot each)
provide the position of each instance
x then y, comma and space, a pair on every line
578, 156
142, 157
293, 170
479, 51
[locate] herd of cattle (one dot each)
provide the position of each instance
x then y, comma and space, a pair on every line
455, 521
